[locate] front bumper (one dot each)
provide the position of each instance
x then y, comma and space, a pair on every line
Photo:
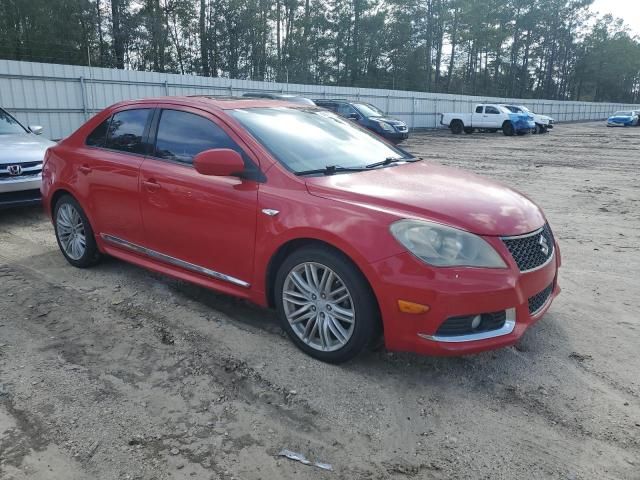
620, 124
395, 135
20, 192
454, 292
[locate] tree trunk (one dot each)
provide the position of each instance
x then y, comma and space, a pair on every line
118, 42
204, 44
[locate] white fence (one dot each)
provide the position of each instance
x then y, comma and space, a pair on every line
62, 97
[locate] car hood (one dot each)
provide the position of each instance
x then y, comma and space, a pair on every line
434, 192
22, 147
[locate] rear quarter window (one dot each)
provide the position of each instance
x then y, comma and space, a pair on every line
98, 137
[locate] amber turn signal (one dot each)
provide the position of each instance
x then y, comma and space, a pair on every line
410, 307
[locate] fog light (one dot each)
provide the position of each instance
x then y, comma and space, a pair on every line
411, 307
475, 323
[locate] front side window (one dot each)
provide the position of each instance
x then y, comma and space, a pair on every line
9, 125
126, 130
369, 110
345, 110
183, 135
491, 110
305, 139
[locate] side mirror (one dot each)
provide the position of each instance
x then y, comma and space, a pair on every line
37, 129
219, 162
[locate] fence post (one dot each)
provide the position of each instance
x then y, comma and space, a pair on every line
387, 108
84, 98
231, 89
413, 113
166, 88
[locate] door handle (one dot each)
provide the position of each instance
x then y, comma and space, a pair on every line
151, 185
85, 169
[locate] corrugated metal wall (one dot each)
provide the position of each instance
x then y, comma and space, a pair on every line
62, 97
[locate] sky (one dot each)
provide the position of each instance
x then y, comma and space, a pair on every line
628, 10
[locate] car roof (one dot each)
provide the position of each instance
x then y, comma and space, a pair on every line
213, 102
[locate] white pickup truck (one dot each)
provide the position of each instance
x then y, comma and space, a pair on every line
489, 117
544, 123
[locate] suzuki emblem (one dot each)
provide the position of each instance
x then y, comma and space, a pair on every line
544, 245
14, 170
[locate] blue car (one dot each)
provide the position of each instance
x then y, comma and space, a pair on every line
369, 117
625, 118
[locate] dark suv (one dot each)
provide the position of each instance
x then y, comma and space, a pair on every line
368, 116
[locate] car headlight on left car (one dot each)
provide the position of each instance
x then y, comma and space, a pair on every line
385, 126
444, 246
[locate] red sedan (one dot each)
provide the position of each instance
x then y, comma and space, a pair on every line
293, 207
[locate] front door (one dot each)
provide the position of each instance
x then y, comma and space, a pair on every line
202, 223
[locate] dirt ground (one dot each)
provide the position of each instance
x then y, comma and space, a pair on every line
119, 373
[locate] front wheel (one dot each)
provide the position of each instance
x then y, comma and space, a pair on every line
74, 233
325, 304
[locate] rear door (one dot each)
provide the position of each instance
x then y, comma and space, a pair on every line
108, 171
202, 223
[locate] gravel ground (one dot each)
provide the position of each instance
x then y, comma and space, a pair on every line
119, 373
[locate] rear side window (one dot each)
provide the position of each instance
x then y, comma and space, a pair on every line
479, 109
182, 135
98, 137
126, 130
492, 110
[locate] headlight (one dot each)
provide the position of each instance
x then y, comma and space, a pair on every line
385, 126
444, 246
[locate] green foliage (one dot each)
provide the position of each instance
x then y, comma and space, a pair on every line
513, 48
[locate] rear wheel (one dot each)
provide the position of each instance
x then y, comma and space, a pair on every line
507, 128
74, 233
457, 127
325, 304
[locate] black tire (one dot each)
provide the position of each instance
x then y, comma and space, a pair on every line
366, 324
468, 130
457, 127
538, 130
91, 254
507, 128
545, 130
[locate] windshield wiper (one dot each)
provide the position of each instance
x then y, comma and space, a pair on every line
330, 170
390, 160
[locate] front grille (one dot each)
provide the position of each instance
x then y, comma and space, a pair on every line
539, 299
28, 169
532, 250
462, 325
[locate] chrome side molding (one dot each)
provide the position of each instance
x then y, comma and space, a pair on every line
173, 261
506, 329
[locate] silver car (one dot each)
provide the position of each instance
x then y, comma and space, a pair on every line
21, 154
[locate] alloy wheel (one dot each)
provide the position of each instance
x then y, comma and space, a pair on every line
71, 231
318, 306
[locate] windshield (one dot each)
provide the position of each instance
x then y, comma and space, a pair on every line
8, 124
368, 110
307, 139
623, 114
